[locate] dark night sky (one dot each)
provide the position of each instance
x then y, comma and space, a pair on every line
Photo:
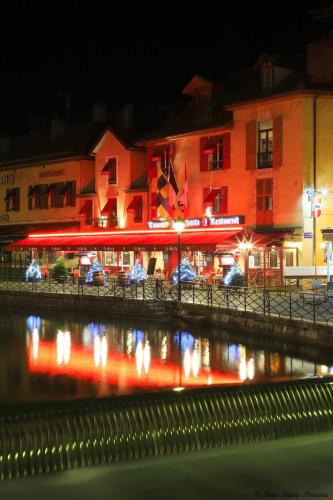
135, 53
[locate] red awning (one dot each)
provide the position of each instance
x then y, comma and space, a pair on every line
85, 207
111, 204
205, 240
212, 195
134, 203
107, 167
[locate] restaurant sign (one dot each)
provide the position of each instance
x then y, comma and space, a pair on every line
200, 222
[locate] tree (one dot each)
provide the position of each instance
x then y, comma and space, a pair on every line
94, 268
234, 276
59, 270
33, 273
138, 274
187, 273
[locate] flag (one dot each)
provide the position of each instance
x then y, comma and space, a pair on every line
162, 202
173, 189
182, 198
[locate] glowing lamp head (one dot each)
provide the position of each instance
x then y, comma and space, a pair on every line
179, 225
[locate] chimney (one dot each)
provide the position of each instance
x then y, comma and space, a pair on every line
5, 144
127, 116
320, 60
98, 112
58, 127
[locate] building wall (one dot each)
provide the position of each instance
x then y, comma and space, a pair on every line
49, 173
130, 166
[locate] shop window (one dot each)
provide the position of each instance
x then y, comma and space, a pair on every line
126, 258
12, 199
289, 259
273, 258
264, 201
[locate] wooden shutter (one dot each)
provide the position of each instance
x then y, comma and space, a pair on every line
277, 141
226, 151
203, 155
152, 171
224, 199
7, 199
251, 145
16, 199
153, 205
205, 193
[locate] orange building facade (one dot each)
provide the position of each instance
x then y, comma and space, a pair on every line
243, 164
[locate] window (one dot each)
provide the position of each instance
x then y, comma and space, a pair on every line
216, 199
112, 178
215, 159
136, 207
265, 145
70, 194
215, 152
273, 258
12, 199
289, 259
264, 201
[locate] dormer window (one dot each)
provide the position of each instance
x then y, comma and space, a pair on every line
267, 76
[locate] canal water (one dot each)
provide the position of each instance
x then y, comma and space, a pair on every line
61, 356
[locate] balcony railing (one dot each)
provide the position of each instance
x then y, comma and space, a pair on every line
265, 160
105, 222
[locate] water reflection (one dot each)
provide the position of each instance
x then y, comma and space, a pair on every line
52, 358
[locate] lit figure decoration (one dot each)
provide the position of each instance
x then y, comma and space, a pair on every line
33, 273
138, 274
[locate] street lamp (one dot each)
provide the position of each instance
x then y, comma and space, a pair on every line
179, 225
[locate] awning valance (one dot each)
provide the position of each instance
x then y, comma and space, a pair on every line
111, 204
209, 199
205, 240
85, 207
134, 203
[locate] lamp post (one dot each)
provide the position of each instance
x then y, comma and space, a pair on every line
179, 225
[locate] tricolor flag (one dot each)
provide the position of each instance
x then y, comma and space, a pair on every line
162, 202
173, 190
182, 198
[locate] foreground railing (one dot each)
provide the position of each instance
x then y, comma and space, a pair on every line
50, 437
295, 304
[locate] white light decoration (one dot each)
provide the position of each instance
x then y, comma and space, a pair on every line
195, 363
250, 369
164, 348
104, 351
187, 363
129, 343
208, 211
139, 358
146, 357
97, 350
179, 225
60, 346
63, 347
242, 370
35, 343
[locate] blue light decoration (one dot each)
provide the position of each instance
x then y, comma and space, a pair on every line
187, 273
33, 273
138, 336
95, 267
96, 329
138, 274
187, 340
33, 322
235, 276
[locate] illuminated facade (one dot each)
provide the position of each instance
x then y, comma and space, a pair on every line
246, 163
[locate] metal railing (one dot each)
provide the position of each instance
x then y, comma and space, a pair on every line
291, 303
51, 437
